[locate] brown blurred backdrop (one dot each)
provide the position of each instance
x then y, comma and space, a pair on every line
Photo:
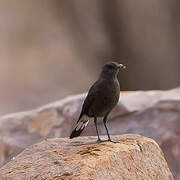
51, 49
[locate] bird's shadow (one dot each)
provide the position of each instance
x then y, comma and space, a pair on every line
80, 143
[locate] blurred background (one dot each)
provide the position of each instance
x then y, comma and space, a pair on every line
52, 49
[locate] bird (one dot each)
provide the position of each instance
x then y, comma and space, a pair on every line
102, 97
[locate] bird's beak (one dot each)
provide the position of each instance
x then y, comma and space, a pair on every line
122, 66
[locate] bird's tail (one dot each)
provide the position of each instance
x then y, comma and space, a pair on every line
81, 124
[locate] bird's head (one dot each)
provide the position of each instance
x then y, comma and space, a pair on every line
112, 68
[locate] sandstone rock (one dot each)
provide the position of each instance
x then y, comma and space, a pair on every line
154, 114
2, 151
134, 157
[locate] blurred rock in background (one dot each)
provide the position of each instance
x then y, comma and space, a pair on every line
50, 49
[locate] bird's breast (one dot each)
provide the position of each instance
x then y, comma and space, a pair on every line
108, 97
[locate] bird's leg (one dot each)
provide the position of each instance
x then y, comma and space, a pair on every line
95, 122
104, 121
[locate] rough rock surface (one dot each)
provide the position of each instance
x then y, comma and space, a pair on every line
154, 114
134, 157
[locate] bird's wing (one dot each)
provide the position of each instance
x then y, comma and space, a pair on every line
92, 94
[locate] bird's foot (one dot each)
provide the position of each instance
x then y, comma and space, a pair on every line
99, 140
112, 141
107, 140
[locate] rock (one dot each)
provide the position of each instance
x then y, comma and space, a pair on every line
2, 151
134, 157
154, 114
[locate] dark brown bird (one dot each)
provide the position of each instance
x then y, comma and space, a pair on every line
101, 99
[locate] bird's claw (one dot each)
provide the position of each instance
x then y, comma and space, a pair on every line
108, 140
112, 141
99, 141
